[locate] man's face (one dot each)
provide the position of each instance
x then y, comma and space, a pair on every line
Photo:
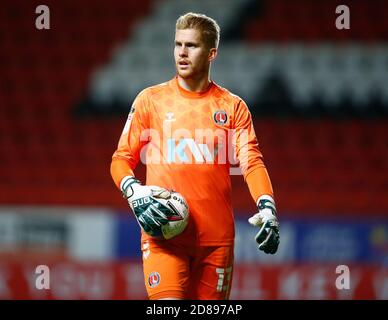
192, 57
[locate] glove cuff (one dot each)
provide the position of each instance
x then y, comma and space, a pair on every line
266, 202
126, 186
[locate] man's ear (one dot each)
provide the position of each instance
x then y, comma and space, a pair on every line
212, 54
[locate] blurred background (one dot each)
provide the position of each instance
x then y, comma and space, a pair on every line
319, 98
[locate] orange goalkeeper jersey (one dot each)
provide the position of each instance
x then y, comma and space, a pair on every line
191, 142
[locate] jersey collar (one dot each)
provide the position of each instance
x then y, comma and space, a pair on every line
192, 94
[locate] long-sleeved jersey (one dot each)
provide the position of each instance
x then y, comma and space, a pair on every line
191, 142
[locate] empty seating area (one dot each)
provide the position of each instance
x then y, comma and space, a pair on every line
312, 21
329, 165
47, 156
326, 166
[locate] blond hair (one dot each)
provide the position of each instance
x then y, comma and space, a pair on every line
208, 27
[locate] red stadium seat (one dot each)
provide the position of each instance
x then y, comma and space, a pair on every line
313, 21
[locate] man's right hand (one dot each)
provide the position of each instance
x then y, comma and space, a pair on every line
143, 200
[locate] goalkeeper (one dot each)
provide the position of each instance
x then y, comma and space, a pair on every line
163, 130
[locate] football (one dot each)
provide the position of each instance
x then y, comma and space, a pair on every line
178, 221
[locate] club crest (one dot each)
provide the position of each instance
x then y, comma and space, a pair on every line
220, 117
153, 279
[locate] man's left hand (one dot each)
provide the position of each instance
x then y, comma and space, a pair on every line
268, 236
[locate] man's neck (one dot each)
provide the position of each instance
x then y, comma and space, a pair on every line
194, 85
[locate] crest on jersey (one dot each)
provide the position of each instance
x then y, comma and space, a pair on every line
220, 117
153, 279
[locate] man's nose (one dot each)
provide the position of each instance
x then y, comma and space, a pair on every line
183, 51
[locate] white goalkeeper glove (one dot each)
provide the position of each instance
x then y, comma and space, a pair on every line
143, 200
268, 236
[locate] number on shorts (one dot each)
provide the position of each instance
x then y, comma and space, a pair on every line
224, 276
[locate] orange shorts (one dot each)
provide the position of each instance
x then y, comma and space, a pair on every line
196, 273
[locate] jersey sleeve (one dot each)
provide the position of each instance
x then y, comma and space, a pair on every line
134, 137
248, 153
